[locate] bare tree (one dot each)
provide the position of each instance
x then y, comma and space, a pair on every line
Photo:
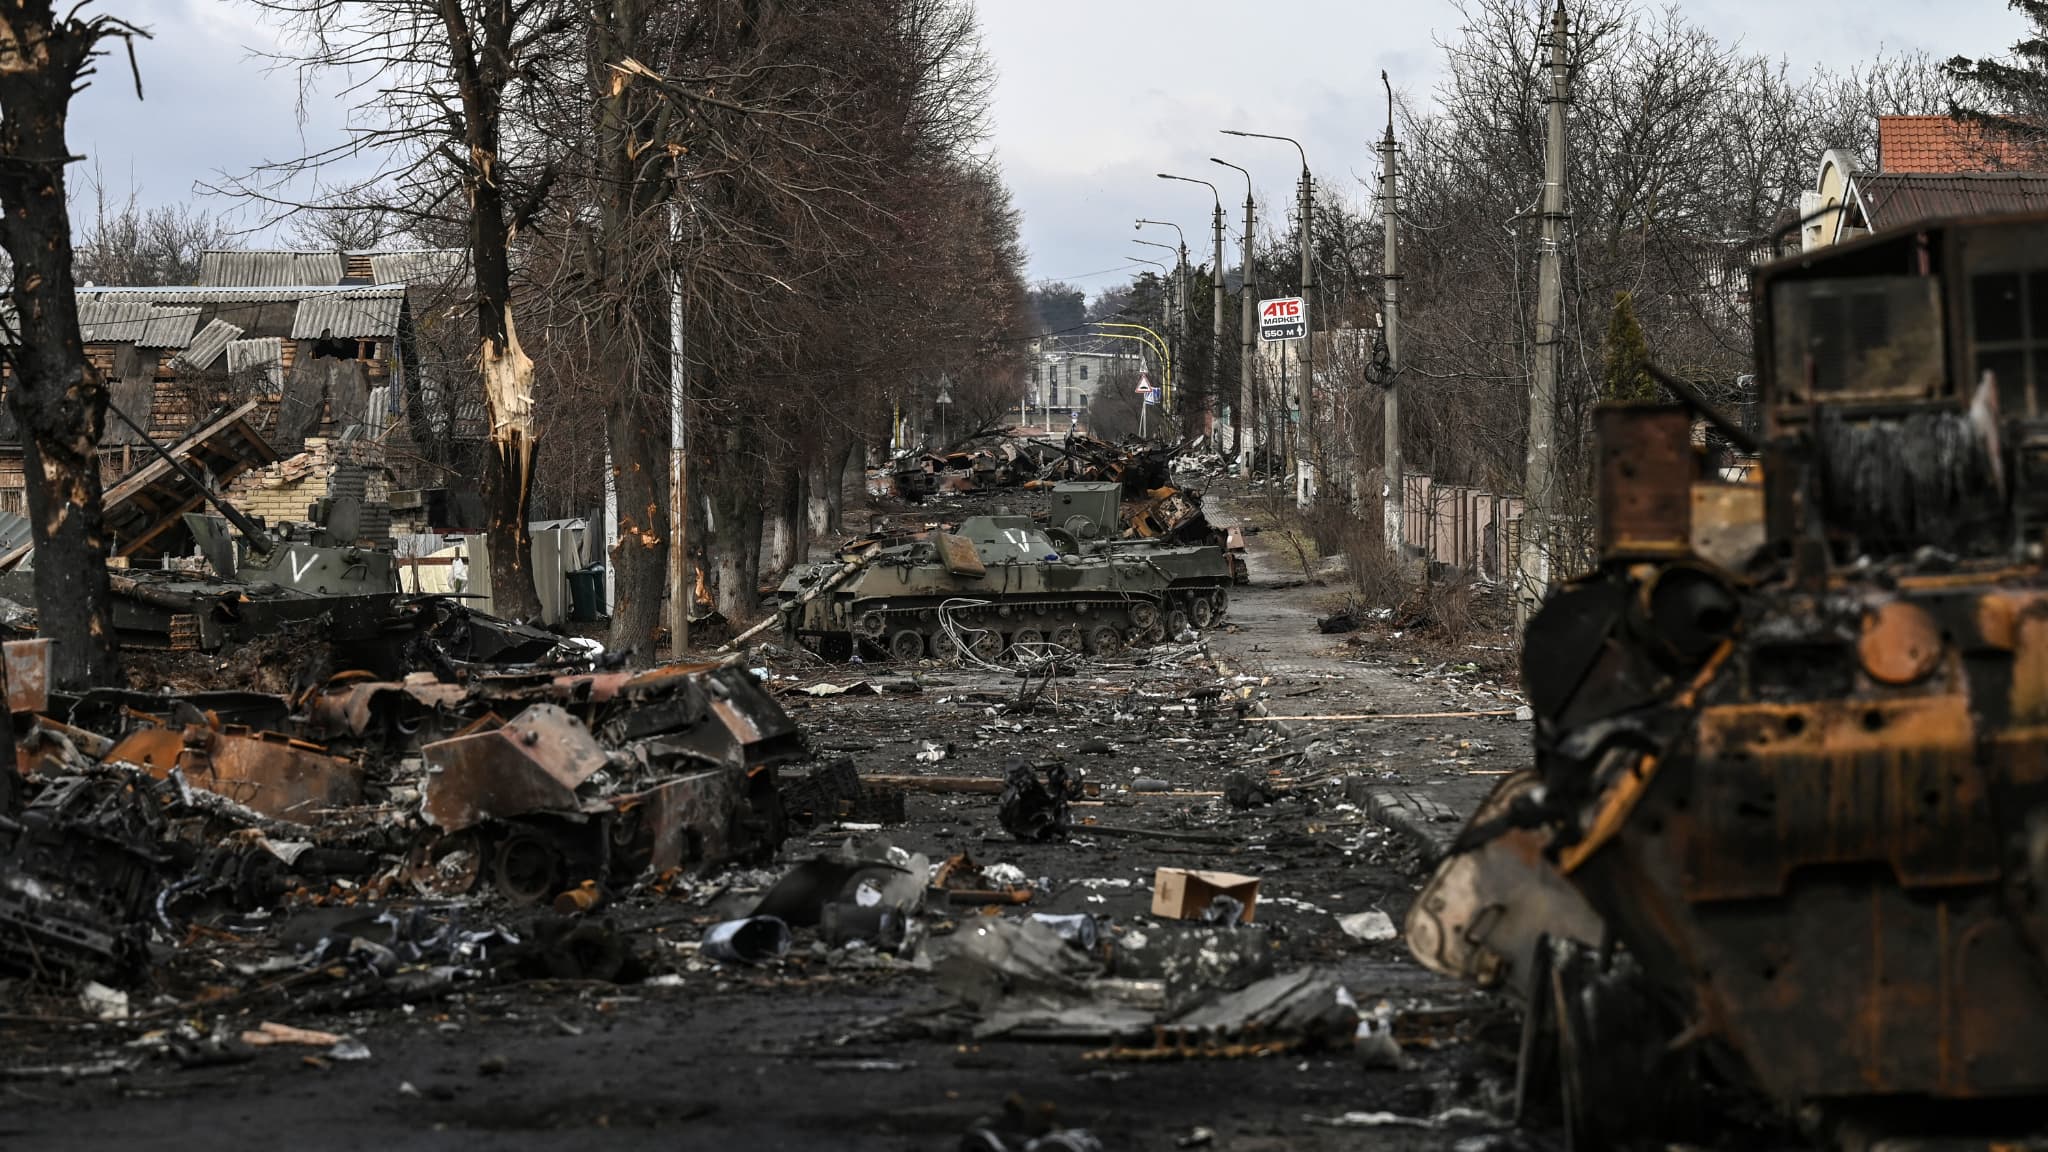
124, 243
58, 398
451, 92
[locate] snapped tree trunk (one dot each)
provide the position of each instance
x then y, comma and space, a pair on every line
478, 59
58, 398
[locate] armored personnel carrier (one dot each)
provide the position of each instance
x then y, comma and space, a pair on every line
1787, 827
997, 585
1199, 572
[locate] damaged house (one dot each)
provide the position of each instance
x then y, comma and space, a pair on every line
315, 355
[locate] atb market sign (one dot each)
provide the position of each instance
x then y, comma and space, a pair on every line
1285, 318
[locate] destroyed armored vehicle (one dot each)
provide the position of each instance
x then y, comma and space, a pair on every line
1787, 827
998, 585
1198, 567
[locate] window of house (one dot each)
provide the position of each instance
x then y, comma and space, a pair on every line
1084, 371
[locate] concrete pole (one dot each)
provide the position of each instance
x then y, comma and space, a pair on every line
1308, 446
1216, 338
1541, 482
1392, 467
1180, 330
1247, 372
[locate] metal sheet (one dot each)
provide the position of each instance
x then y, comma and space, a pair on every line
532, 764
268, 268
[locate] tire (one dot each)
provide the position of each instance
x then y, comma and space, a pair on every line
1144, 616
1176, 623
1220, 599
906, 645
1027, 640
1201, 613
1068, 637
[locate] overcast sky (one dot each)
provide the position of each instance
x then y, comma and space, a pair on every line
1094, 97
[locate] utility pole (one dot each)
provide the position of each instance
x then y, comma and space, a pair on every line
682, 583
1307, 445
1392, 467
1541, 481
1216, 336
1244, 426
1209, 394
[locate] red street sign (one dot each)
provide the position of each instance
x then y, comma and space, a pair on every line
1144, 385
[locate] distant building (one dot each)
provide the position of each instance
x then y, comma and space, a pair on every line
1927, 167
1060, 385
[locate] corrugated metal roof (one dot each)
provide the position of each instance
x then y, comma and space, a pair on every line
167, 317
358, 314
222, 267
418, 265
1893, 199
207, 346
110, 321
264, 353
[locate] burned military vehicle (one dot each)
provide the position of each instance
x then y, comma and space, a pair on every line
1788, 821
1001, 585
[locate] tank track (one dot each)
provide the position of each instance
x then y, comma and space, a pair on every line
1012, 626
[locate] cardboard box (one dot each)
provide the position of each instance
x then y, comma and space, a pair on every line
1184, 893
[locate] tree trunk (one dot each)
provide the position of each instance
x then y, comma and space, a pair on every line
58, 398
639, 562
820, 479
835, 492
627, 119
477, 59
795, 541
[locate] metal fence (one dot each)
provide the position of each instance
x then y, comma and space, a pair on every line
1462, 527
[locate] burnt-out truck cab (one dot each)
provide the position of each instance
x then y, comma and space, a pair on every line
1787, 826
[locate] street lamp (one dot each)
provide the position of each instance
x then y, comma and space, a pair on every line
1216, 291
1244, 428
1308, 343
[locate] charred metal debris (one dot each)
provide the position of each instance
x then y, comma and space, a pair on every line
133, 813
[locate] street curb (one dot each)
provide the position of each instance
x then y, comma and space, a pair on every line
1429, 826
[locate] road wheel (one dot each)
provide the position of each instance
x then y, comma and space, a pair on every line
1220, 600
1027, 641
1156, 634
526, 867
1176, 623
907, 644
1144, 616
983, 644
1104, 640
1201, 613
1068, 637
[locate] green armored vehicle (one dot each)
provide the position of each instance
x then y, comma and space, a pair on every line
1198, 575
1002, 586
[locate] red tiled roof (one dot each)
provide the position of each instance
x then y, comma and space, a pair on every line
1943, 144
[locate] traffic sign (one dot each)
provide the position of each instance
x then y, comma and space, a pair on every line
1283, 318
1151, 395
1144, 383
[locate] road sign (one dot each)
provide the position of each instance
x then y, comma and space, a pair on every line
1144, 382
1283, 318
1151, 395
